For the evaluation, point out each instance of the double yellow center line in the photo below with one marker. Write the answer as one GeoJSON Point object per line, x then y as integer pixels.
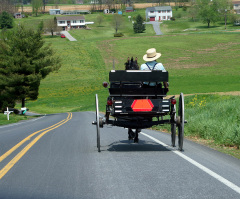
{"type": "Point", "coordinates": [24, 151]}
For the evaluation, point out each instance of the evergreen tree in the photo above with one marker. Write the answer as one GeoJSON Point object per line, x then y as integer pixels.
{"type": "Point", "coordinates": [24, 61]}
{"type": "Point", "coordinates": [6, 97]}
{"type": "Point", "coordinates": [138, 26]}
{"type": "Point", "coordinates": [6, 20]}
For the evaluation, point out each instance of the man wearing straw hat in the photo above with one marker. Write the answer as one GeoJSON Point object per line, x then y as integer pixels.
{"type": "Point", "coordinates": [151, 64]}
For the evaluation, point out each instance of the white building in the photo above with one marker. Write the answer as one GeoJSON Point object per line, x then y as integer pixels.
{"type": "Point", "coordinates": [159, 13]}
{"type": "Point", "coordinates": [54, 11]}
{"type": "Point", "coordinates": [236, 6]}
{"type": "Point", "coordinates": [72, 22]}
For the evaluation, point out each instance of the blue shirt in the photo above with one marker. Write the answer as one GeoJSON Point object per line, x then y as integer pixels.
{"type": "Point", "coordinates": [152, 65]}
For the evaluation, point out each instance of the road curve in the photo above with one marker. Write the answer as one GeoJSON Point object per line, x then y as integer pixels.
{"type": "Point", "coordinates": [64, 163]}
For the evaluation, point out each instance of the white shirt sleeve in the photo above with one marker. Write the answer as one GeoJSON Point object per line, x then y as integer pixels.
{"type": "Point", "coordinates": [144, 67]}
{"type": "Point", "coordinates": [160, 66]}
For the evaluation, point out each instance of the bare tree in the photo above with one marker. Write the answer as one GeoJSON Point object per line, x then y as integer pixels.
{"type": "Point", "coordinates": [44, 5]}
{"type": "Point", "coordinates": [117, 22]}
{"type": "Point", "coordinates": [100, 4]}
{"type": "Point", "coordinates": [50, 25]}
{"type": "Point", "coordinates": [99, 19]}
{"type": "Point", "coordinates": [109, 4]}
{"type": "Point", "coordinates": [36, 6]}
{"type": "Point", "coordinates": [6, 5]}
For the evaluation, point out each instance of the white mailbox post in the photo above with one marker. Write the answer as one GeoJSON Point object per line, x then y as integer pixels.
{"type": "Point", "coordinates": [7, 113]}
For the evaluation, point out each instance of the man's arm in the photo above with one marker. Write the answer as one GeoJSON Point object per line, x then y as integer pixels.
{"type": "Point", "coordinates": [166, 85]}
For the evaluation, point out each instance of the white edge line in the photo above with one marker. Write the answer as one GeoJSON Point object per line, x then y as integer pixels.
{"type": "Point", "coordinates": [203, 168]}
{"type": "Point", "coordinates": [21, 122]}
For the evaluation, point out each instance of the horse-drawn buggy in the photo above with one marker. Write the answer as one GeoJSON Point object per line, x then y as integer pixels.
{"type": "Point", "coordinates": [135, 105]}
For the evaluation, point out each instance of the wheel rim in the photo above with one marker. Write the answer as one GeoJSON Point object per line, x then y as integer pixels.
{"type": "Point", "coordinates": [181, 125]}
{"type": "Point", "coordinates": [173, 127]}
{"type": "Point", "coordinates": [98, 127]}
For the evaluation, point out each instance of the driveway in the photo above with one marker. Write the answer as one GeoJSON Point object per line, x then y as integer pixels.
{"type": "Point", "coordinates": [156, 27]}
{"type": "Point", "coordinates": [66, 33]}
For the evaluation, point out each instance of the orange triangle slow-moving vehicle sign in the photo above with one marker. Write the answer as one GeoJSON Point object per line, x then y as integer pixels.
{"type": "Point", "coordinates": [142, 105]}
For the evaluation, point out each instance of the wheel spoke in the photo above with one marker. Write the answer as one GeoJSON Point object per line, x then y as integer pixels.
{"type": "Point", "coordinates": [98, 127]}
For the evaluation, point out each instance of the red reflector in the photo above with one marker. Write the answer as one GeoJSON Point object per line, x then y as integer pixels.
{"type": "Point", "coordinates": [142, 105]}
{"type": "Point", "coordinates": [173, 101]}
{"type": "Point", "coordinates": [109, 102]}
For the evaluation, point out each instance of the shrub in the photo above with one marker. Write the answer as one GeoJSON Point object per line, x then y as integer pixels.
{"type": "Point", "coordinates": [118, 35]}
{"type": "Point", "coordinates": [6, 20]}
{"type": "Point", "coordinates": [179, 15]}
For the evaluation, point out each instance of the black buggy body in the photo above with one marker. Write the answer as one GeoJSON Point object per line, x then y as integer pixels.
{"type": "Point", "coordinates": [135, 103]}
{"type": "Point", "coordinates": [137, 100]}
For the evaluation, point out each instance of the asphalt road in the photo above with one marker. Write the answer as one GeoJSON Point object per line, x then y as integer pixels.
{"type": "Point", "coordinates": [156, 27]}
{"type": "Point", "coordinates": [55, 156]}
{"type": "Point", "coordinates": [68, 36]}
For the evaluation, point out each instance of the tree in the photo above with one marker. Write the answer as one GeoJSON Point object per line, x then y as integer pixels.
{"type": "Point", "coordinates": [109, 4]}
{"type": "Point", "coordinates": [6, 5]}
{"type": "Point", "coordinates": [7, 98]}
{"type": "Point", "coordinates": [44, 5]}
{"type": "Point", "coordinates": [210, 11]}
{"type": "Point", "coordinates": [40, 26]}
{"type": "Point", "coordinates": [51, 26]}
{"type": "Point", "coordinates": [99, 19]}
{"type": "Point", "coordinates": [24, 61]}
{"type": "Point", "coordinates": [117, 22]}
{"type": "Point", "coordinates": [36, 6]}
{"type": "Point", "coordinates": [138, 26]}
{"type": "Point", "coordinates": [192, 10]}
{"type": "Point", "coordinates": [6, 20]}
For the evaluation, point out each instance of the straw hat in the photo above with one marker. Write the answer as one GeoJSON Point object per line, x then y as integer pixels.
{"type": "Point", "coordinates": [151, 55]}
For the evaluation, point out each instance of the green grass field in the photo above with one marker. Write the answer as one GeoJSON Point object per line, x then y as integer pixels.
{"type": "Point", "coordinates": [196, 64]}
{"type": "Point", "coordinates": [199, 60]}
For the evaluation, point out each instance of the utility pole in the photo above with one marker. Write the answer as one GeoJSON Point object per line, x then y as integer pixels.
{"type": "Point", "coordinates": [225, 19]}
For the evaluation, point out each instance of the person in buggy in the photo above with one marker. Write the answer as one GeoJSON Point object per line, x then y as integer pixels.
{"type": "Point", "coordinates": [151, 64]}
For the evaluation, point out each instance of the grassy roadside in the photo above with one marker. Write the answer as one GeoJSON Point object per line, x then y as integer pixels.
{"type": "Point", "coordinates": [13, 118]}
{"type": "Point", "coordinates": [213, 120]}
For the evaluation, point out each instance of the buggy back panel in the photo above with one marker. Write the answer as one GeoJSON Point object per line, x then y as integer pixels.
{"type": "Point", "coordinates": [129, 82]}
{"type": "Point", "coordinates": [138, 75]}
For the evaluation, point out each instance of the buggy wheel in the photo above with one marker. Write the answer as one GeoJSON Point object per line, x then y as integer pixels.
{"type": "Point", "coordinates": [181, 122]}
{"type": "Point", "coordinates": [97, 124]}
{"type": "Point", "coordinates": [173, 126]}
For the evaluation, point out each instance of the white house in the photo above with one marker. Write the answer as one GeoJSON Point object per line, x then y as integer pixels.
{"type": "Point", "coordinates": [72, 22]}
{"type": "Point", "coordinates": [54, 11]}
{"type": "Point", "coordinates": [236, 6]}
{"type": "Point", "coordinates": [159, 13]}
{"type": "Point", "coordinates": [75, 12]}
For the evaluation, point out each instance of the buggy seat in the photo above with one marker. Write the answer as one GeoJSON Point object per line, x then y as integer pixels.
{"type": "Point", "coordinates": [130, 83]}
